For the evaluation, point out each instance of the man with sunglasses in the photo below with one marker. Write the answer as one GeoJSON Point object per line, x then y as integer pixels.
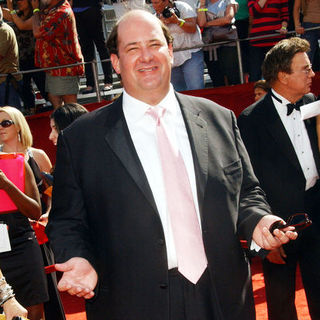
{"type": "Point", "coordinates": [9, 63]}
{"type": "Point", "coordinates": [284, 153]}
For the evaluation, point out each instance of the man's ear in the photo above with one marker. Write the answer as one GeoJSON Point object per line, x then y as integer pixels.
{"type": "Point", "coordinates": [115, 63]}
{"type": "Point", "coordinates": [283, 77]}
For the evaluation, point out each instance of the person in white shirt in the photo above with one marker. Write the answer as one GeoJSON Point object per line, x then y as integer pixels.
{"type": "Point", "coordinates": [188, 65]}
{"type": "Point", "coordinates": [115, 227]}
{"type": "Point", "coordinates": [284, 153]}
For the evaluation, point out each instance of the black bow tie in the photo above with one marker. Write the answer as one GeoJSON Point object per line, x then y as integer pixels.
{"type": "Point", "coordinates": [292, 106]}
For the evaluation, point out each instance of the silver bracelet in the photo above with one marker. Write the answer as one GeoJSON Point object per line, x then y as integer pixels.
{"type": "Point", "coordinates": [6, 291]}
{"type": "Point", "coordinates": [2, 281]}
{"type": "Point", "coordinates": [5, 299]}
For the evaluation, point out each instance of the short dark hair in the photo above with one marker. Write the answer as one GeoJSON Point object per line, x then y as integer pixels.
{"type": "Point", "coordinates": [279, 58]}
{"type": "Point", "coordinates": [66, 114]}
{"type": "Point", "coordinates": [262, 84]}
{"type": "Point", "coordinates": [112, 43]}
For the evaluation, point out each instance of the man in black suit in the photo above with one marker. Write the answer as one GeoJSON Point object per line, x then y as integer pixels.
{"type": "Point", "coordinates": [284, 153]}
{"type": "Point", "coordinates": [112, 225]}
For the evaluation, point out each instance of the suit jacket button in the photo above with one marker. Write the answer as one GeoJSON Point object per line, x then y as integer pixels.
{"type": "Point", "coordinates": [163, 286]}
{"type": "Point", "coordinates": [161, 242]}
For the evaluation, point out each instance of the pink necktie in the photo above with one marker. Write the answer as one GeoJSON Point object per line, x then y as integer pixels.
{"type": "Point", "coordinates": [187, 235]}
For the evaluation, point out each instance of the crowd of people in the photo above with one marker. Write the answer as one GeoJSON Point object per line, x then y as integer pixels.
{"type": "Point", "coordinates": [49, 34]}
{"type": "Point", "coordinates": [145, 216]}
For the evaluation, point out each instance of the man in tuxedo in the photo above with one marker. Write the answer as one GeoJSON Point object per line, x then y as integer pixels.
{"type": "Point", "coordinates": [284, 154]}
{"type": "Point", "coordinates": [124, 172]}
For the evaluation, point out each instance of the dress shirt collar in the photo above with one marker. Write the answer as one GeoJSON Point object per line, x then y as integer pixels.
{"type": "Point", "coordinates": [135, 109]}
{"type": "Point", "coordinates": [280, 103]}
{"type": "Point", "coordinates": [283, 100]}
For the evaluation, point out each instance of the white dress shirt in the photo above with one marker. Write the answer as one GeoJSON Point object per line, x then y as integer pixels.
{"type": "Point", "coordinates": [298, 134]}
{"type": "Point", "coordinates": [142, 128]}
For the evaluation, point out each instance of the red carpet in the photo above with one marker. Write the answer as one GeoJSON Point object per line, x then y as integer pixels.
{"type": "Point", "coordinates": [74, 307]}
{"type": "Point", "coordinates": [259, 294]}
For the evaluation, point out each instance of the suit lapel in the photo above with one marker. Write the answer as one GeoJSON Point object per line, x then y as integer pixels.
{"type": "Point", "coordinates": [118, 138]}
{"type": "Point", "coordinates": [273, 123]}
{"type": "Point", "coordinates": [197, 132]}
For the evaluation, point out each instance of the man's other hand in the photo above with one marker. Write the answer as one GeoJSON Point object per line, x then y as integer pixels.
{"type": "Point", "coordinates": [268, 241]}
{"type": "Point", "coordinates": [79, 277]}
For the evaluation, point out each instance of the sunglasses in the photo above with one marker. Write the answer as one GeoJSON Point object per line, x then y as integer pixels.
{"type": "Point", "coordinates": [6, 123]}
{"type": "Point", "coordinates": [299, 221]}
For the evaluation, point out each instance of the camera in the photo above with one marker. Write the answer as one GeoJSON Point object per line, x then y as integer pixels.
{"type": "Point", "coordinates": [168, 11]}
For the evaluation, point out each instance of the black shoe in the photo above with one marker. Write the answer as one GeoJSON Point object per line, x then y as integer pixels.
{"type": "Point", "coordinates": [88, 90]}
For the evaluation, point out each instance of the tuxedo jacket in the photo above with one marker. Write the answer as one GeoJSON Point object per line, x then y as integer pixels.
{"type": "Point", "coordinates": [273, 157]}
{"type": "Point", "coordinates": [104, 211]}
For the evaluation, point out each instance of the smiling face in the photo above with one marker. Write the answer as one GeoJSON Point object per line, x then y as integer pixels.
{"type": "Point", "coordinates": [144, 58]}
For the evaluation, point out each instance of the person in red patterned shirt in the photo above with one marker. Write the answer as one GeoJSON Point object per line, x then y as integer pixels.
{"type": "Point", "coordinates": [57, 44]}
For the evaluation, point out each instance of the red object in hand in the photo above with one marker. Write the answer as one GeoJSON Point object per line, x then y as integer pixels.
{"type": "Point", "coordinates": [39, 229]}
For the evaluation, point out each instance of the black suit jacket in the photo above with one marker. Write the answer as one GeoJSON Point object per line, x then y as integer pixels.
{"type": "Point", "coordinates": [104, 210]}
{"type": "Point", "coordinates": [273, 156]}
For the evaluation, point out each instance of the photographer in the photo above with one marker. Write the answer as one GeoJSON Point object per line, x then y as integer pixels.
{"type": "Point", "coordinates": [180, 18]}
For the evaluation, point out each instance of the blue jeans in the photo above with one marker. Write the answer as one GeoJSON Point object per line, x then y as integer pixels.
{"type": "Point", "coordinates": [312, 36]}
{"type": "Point", "coordinates": [189, 76]}
{"type": "Point", "coordinates": [13, 96]}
